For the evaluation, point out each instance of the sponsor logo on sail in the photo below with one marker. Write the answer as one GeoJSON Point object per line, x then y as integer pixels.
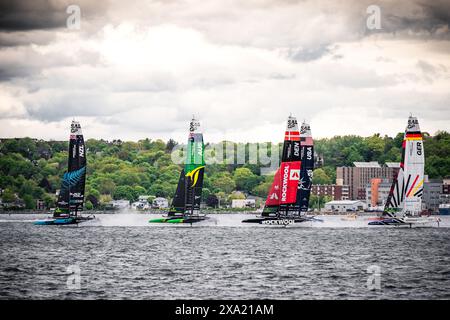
{"type": "Point", "coordinates": [284, 222]}
{"type": "Point", "coordinates": [309, 153]}
{"type": "Point", "coordinates": [292, 123]}
{"type": "Point", "coordinates": [412, 123]}
{"type": "Point", "coordinates": [294, 174]}
{"type": "Point", "coordinates": [296, 148]}
{"type": "Point", "coordinates": [81, 150]}
{"type": "Point", "coordinates": [419, 148]}
{"type": "Point", "coordinates": [304, 128]}
{"type": "Point", "coordinates": [285, 183]}
{"type": "Point", "coordinates": [194, 175]}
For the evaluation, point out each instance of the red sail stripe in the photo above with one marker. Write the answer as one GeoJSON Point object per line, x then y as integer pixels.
{"type": "Point", "coordinates": [414, 135]}
{"type": "Point", "coordinates": [292, 136]}
{"type": "Point", "coordinates": [415, 180]}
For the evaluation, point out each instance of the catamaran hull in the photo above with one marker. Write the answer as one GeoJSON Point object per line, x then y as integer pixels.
{"type": "Point", "coordinates": [281, 221]}
{"type": "Point", "coordinates": [405, 221]}
{"type": "Point", "coordinates": [176, 220]}
{"type": "Point", "coordinates": [62, 221]}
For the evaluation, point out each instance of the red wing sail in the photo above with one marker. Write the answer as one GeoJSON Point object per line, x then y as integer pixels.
{"type": "Point", "coordinates": [289, 176]}
{"type": "Point", "coordinates": [283, 193]}
{"type": "Point", "coordinates": [273, 198]}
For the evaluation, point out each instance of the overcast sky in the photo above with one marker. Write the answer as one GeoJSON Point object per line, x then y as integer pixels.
{"type": "Point", "coordinates": [139, 69]}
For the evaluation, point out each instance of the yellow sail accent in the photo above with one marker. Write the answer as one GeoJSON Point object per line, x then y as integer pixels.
{"type": "Point", "coordinates": [194, 175]}
{"type": "Point", "coordinates": [415, 189]}
{"type": "Point", "coordinates": [413, 138]}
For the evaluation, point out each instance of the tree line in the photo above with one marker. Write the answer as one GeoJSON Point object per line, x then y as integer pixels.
{"type": "Point", "coordinates": [31, 169]}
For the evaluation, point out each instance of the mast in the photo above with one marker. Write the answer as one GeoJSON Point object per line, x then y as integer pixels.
{"type": "Point", "coordinates": [307, 167]}
{"type": "Point", "coordinates": [71, 195]}
{"type": "Point", "coordinates": [189, 190]}
{"type": "Point", "coordinates": [414, 168]}
{"type": "Point", "coordinates": [282, 196]}
{"type": "Point", "coordinates": [405, 195]}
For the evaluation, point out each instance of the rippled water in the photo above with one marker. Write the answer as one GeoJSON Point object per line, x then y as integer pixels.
{"type": "Point", "coordinates": [123, 257]}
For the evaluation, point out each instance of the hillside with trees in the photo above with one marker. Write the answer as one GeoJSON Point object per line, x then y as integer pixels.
{"type": "Point", "coordinates": [32, 169]}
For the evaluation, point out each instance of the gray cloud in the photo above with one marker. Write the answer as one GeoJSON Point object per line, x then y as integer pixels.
{"type": "Point", "coordinates": [20, 15]}
{"type": "Point", "coordinates": [417, 18]}
{"type": "Point", "coordinates": [23, 15]}
{"type": "Point", "coordinates": [309, 54]}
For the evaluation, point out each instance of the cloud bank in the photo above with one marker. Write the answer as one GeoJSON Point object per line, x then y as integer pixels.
{"type": "Point", "coordinates": [143, 68]}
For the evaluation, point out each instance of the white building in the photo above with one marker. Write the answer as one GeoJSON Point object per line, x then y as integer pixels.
{"type": "Point", "coordinates": [345, 205]}
{"type": "Point", "coordinates": [243, 203]}
{"type": "Point", "coordinates": [120, 204]}
{"type": "Point", "coordinates": [160, 203]}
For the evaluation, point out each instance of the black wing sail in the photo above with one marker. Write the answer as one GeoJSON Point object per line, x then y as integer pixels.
{"type": "Point", "coordinates": [307, 167]}
{"type": "Point", "coordinates": [179, 200]}
{"type": "Point", "coordinates": [71, 195]}
{"type": "Point", "coordinates": [189, 190]}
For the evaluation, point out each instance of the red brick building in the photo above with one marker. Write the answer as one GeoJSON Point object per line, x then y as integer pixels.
{"type": "Point", "coordinates": [332, 190]}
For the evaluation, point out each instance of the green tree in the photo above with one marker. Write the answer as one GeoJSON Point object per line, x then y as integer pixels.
{"type": "Point", "coordinates": [262, 189]}
{"type": "Point", "coordinates": [318, 202]}
{"type": "Point", "coordinates": [124, 192]}
{"type": "Point", "coordinates": [320, 177]}
{"type": "Point", "coordinates": [245, 179]}
{"type": "Point", "coordinates": [89, 205]}
{"type": "Point", "coordinates": [8, 196]}
{"type": "Point", "coordinates": [30, 202]}
{"type": "Point", "coordinates": [224, 183]}
{"type": "Point", "coordinates": [106, 185]}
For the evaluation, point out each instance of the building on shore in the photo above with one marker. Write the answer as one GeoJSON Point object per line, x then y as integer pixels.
{"type": "Point", "coordinates": [243, 203]}
{"type": "Point", "coordinates": [358, 176]}
{"type": "Point", "coordinates": [432, 191]}
{"type": "Point", "coordinates": [345, 206]}
{"type": "Point", "coordinates": [160, 203]}
{"type": "Point", "coordinates": [445, 193]}
{"type": "Point", "coordinates": [336, 192]}
{"type": "Point", "coordinates": [119, 204]}
{"type": "Point", "coordinates": [377, 192]}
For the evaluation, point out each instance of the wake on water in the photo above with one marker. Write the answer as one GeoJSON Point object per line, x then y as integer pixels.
{"type": "Point", "coordinates": [231, 220]}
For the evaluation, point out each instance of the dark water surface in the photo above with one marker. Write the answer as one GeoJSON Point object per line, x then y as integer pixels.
{"type": "Point", "coordinates": [221, 262]}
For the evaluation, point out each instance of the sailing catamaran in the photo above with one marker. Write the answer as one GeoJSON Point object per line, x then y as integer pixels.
{"type": "Point", "coordinates": [404, 202]}
{"type": "Point", "coordinates": [71, 195]}
{"type": "Point", "coordinates": [288, 198]}
{"type": "Point", "coordinates": [186, 202]}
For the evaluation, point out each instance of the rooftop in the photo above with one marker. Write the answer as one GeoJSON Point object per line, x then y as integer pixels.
{"type": "Point", "coordinates": [343, 202]}
{"type": "Point", "coordinates": [393, 164]}
{"type": "Point", "coordinates": [371, 164]}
